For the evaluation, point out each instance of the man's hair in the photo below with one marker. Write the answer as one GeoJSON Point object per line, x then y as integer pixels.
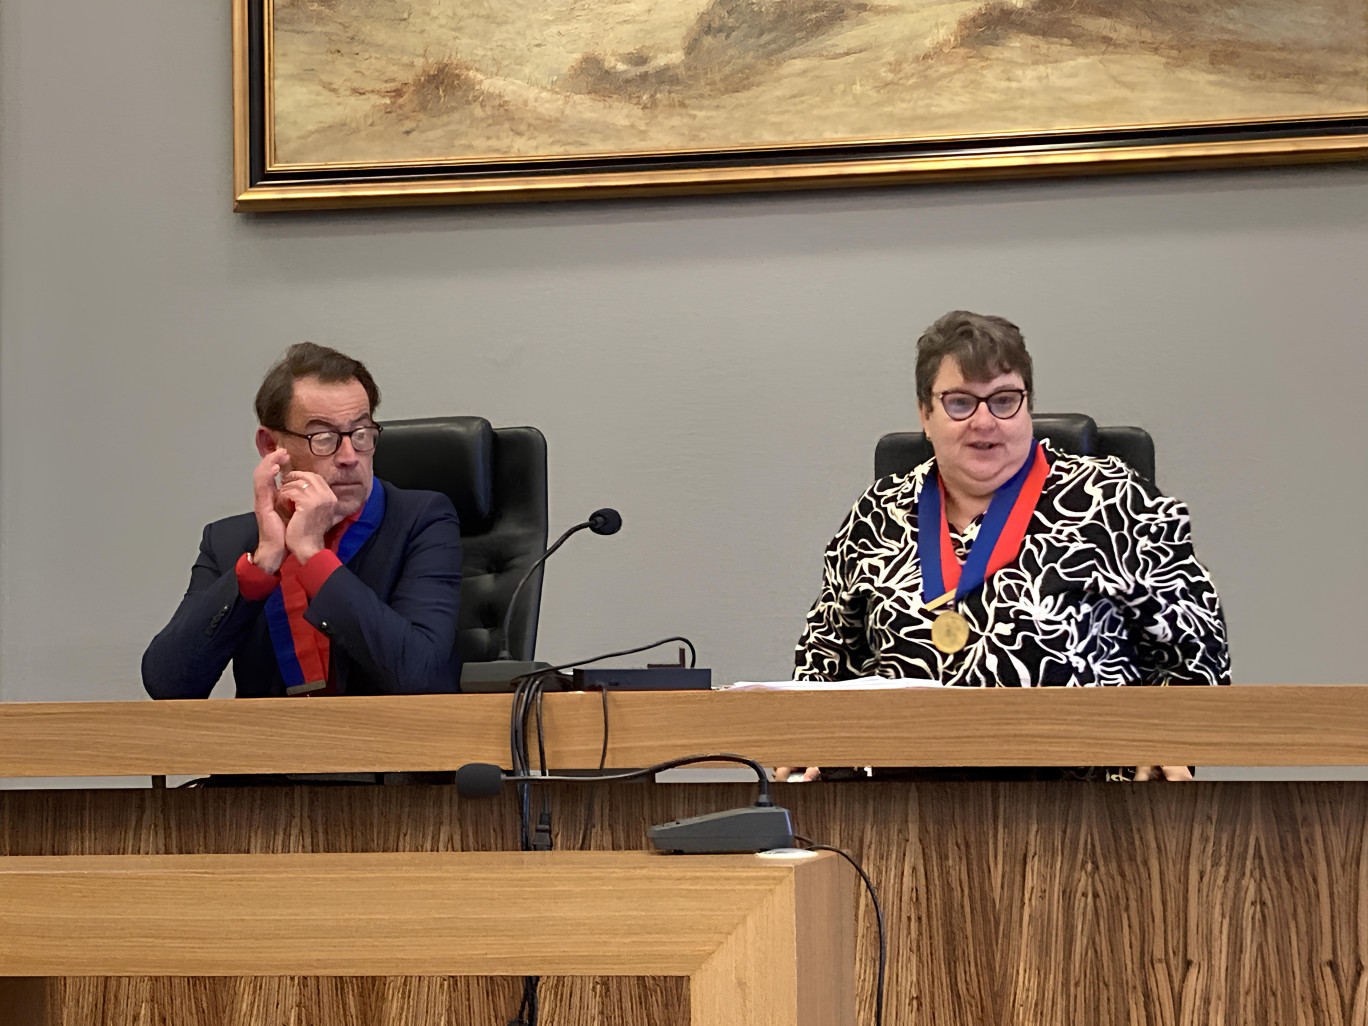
{"type": "Point", "coordinates": [307, 360]}
{"type": "Point", "coordinates": [984, 346]}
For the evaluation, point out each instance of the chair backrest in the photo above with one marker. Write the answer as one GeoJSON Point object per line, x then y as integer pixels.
{"type": "Point", "coordinates": [1074, 433]}
{"type": "Point", "coordinates": [496, 478]}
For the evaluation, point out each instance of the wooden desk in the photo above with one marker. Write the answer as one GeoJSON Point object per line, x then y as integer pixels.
{"type": "Point", "coordinates": [1272, 725]}
{"type": "Point", "coordinates": [1022, 904]}
{"type": "Point", "coordinates": [764, 941]}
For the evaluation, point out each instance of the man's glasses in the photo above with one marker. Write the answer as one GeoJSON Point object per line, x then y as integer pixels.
{"type": "Point", "coordinates": [325, 443]}
{"type": "Point", "coordinates": [1002, 404]}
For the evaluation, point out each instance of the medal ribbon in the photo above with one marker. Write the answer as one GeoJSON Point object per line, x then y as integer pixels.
{"type": "Point", "coordinates": [999, 537]}
{"type": "Point", "coordinates": [302, 650]}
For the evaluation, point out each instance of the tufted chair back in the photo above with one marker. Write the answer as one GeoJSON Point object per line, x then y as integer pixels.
{"type": "Point", "coordinates": [496, 477]}
{"type": "Point", "coordinates": [1074, 433]}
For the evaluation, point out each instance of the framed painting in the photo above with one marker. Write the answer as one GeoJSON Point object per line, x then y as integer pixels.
{"type": "Point", "coordinates": [374, 102]}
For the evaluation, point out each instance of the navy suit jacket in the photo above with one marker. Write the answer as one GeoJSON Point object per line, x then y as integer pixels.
{"type": "Point", "coordinates": [390, 611]}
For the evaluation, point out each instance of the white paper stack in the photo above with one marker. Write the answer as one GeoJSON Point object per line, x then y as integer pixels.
{"type": "Point", "coordinates": [862, 684]}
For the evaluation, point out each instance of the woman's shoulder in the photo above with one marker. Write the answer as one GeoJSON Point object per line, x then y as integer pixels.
{"type": "Point", "coordinates": [1107, 473]}
{"type": "Point", "coordinates": [1106, 486]}
{"type": "Point", "coordinates": [886, 509]}
{"type": "Point", "coordinates": [897, 489]}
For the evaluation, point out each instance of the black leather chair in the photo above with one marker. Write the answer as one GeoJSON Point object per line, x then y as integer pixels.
{"type": "Point", "coordinates": [496, 477]}
{"type": "Point", "coordinates": [1074, 433]}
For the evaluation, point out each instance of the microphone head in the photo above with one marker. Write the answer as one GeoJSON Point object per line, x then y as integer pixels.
{"type": "Point", "coordinates": [605, 521]}
{"type": "Point", "coordinates": [479, 780]}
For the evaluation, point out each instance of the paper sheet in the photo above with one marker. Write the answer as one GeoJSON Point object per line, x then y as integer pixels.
{"type": "Point", "coordinates": [862, 684]}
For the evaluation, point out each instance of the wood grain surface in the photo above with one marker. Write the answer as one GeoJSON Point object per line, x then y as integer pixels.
{"type": "Point", "coordinates": [1270, 725]}
{"type": "Point", "coordinates": [478, 913]}
{"type": "Point", "coordinates": [1011, 904]}
{"type": "Point", "coordinates": [746, 929]}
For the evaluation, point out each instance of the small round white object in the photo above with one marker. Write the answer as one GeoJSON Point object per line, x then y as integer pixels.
{"type": "Point", "coordinates": [786, 853]}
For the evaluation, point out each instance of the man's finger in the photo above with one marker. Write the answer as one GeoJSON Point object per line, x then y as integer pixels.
{"type": "Point", "coordinates": [304, 489]}
{"type": "Point", "coordinates": [304, 477]}
{"type": "Point", "coordinates": [274, 462]}
{"type": "Point", "coordinates": [264, 477]}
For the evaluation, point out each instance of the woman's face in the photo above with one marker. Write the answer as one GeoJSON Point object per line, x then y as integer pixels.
{"type": "Point", "coordinates": [976, 456]}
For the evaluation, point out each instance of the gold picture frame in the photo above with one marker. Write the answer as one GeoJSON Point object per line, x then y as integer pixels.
{"type": "Point", "coordinates": [350, 103]}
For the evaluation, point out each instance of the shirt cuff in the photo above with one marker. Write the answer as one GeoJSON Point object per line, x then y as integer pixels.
{"type": "Point", "coordinates": [317, 570]}
{"type": "Point", "coordinates": [254, 583]}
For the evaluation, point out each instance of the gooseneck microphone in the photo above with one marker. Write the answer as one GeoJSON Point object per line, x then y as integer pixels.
{"type": "Point", "coordinates": [500, 674]}
{"type": "Point", "coordinates": [601, 521]}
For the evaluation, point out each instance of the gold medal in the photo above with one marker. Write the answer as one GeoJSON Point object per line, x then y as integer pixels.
{"type": "Point", "coordinates": [949, 632]}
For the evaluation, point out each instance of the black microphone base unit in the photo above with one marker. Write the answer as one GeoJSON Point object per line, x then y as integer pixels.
{"type": "Point", "coordinates": [650, 678]}
{"type": "Point", "coordinates": [734, 832]}
{"type": "Point", "coordinates": [498, 676]}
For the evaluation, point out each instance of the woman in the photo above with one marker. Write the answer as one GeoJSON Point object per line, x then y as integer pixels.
{"type": "Point", "coordinates": [1002, 562]}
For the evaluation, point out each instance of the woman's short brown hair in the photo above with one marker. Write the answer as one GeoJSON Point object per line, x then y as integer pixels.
{"type": "Point", "coordinates": [983, 345]}
{"type": "Point", "coordinates": [307, 360]}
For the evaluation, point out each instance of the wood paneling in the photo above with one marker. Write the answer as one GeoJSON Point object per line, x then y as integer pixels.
{"type": "Point", "coordinates": [1011, 904]}
{"type": "Point", "coordinates": [1265, 725]}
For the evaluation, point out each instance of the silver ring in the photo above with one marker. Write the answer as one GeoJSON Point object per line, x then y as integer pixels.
{"type": "Point", "coordinates": [304, 484]}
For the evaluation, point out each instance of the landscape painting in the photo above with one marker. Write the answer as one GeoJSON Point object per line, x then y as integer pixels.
{"type": "Point", "coordinates": [517, 84]}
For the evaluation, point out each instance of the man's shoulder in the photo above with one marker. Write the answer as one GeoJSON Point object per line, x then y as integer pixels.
{"type": "Point", "coordinates": [232, 531]}
{"type": "Point", "coordinates": [416, 505]}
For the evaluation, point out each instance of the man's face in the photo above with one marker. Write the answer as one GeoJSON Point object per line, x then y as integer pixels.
{"type": "Point", "coordinates": [980, 454]}
{"type": "Point", "coordinates": [336, 406]}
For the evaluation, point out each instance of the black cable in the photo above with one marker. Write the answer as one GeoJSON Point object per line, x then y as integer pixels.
{"type": "Point", "coordinates": [513, 729]}
{"type": "Point", "coordinates": [646, 771]}
{"type": "Point", "coordinates": [515, 724]}
{"type": "Point", "coordinates": [693, 657]}
{"type": "Point", "coordinates": [603, 753]}
{"type": "Point", "coordinates": [527, 700]}
{"type": "Point", "coordinates": [693, 653]}
{"type": "Point", "coordinates": [524, 793]}
{"type": "Point", "coordinates": [525, 696]}
{"type": "Point", "coordinates": [525, 816]}
{"type": "Point", "coordinates": [529, 1009]}
{"type": "Point", "coordinates": [541, 731]}
{"type": "Point", "coordinates": [878, 918]}
{"type": "Point", "coordinates": [541, 836]}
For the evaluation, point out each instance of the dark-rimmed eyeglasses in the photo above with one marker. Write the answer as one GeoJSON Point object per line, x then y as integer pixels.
{"type": "Point", "coordinates": [325, 443]}
{"type": "Point", "coordinates": [1002, 404]}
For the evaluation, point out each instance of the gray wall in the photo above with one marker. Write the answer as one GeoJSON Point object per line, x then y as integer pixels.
{"type": "Point", "coordinates": [718, 369]}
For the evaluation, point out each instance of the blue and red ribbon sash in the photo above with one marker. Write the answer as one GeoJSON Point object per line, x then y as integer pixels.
{"type": "Point", "coordinates": [999, 537]}
{"type": "Point", "coordinates": [302, 651]}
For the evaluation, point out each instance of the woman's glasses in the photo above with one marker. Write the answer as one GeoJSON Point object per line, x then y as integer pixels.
{"type": "Point", "coordinates": [1002, 404]}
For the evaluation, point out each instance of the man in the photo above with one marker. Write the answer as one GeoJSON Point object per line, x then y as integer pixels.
{"type": "Point", "coordinates": [336, 583]}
